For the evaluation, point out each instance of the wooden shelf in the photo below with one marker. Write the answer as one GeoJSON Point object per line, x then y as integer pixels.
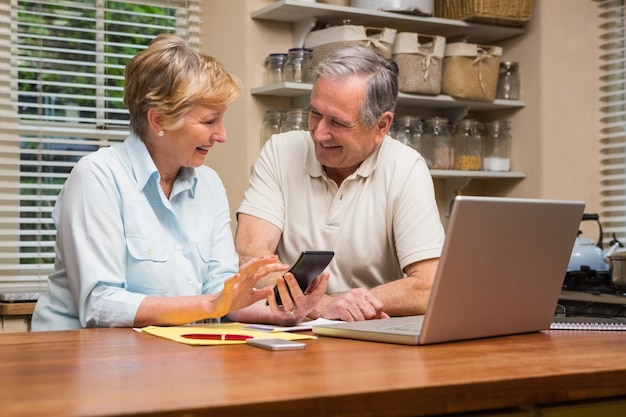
{"type": "Point", "coordinates": [454, 181]}
{"type": "Point", "coordinates": [283, 89]}
{"type": "Point", "coordinates": [444, 173]}
{"type": "Point", "coordinates": [290, 89]}
{"type": "Point", "coordinates": [294, 11]}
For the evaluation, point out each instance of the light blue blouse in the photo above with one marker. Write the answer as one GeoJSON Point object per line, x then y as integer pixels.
{"type": "Point", "coordinates": [120, 239]}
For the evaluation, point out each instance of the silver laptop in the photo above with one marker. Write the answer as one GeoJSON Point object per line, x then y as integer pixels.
{"type": "Point", "coordinates": [500, 273]}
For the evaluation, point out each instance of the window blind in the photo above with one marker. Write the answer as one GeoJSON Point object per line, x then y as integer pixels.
{"type": "Point", "coordinates": [61, 90]}
{"type": "Point", "coordinates": [613, 119]}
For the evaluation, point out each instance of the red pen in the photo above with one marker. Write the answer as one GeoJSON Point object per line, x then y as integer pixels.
{"type": "Point", "coordinates": [205, 336]}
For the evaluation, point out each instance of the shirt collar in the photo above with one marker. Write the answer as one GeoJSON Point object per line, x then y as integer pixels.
{"type": "Point", "coordinates": [145, 170]}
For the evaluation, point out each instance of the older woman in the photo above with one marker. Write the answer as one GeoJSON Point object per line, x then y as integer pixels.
{"type": "Point", "coordinates": [143, 227]}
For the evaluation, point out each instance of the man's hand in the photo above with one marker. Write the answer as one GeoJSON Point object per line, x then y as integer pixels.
{"type": "Point", "coordinates": [354, 305]}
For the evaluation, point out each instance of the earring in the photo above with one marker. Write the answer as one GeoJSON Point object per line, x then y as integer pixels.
{"type": "Point", "coordinates": [161, 133]}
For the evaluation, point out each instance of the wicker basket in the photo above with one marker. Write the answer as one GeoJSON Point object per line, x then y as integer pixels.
{"type": "Point", "coordinates": [419, 58]}
{"type": "Point", "coordinates": [326, 41]}
{"type": "Point", "coordinates": [470, 71]}
{"type": "Point", "coordinates": [497, 12]}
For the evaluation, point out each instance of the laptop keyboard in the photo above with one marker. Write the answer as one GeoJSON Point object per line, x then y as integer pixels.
{"type": "Point", "coordinates": [414, 326]}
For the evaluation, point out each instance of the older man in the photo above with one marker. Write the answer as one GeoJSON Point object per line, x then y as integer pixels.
{"type": "Point", "coordinates": [348, 187]}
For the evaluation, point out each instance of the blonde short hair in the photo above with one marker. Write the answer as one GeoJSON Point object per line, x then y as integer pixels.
{"type": "Point", "coordinates": [172, 77]}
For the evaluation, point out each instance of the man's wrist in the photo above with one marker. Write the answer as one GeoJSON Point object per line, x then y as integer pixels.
{"type": "Point", "coordinates": [317, 311]}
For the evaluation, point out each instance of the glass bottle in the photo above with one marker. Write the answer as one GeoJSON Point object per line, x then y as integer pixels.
{"type": "Point", "coordinates": [497, 146]}
{"type": "Point", "coordinates": [296, 119]}
{"type": "Point", "coordinates": [436, 147]}
{"type": "Point", "coordinates": [274, 68]}
{"type": "Point", "coordinates": [418, 135]}
{"type": "Point", "coordinates": [298, 67]}
{"type": "Point", "coordinates": [409, 131]}
{"type": "Point", "coordinates": [466, 146]}
{"type": "Point", "coordinates": [271, 124]}
{"type": "Point", "coordinates": [508, 81]}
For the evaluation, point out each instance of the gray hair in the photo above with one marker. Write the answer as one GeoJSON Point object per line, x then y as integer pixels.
{"type": "Point", "coordinates": [382, 86]}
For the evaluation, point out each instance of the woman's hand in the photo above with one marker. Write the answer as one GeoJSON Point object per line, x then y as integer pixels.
{"type": "Point", "coordinates": [239, 291]}
{"type": "Point", "coordinates": [296, 304]}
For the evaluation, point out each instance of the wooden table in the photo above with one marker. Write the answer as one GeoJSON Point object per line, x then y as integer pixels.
{"type": "Point", "coordinates": [102, 372]}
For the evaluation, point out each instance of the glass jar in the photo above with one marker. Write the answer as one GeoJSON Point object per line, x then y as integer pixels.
{"type": "Point", "coordinates": [508, 81]}
{"type": "Point", "coordinates": [274, 68]}
{"type": "Point", "coordinates": [436, 146]}
{"type": "Point", "coordinates": [296, 119]}
{"type": "Point", "coordinates": [467, 146]}
{"type": "Point", "coordinates": [409, 131]}
{"type": "Point", "coordinates": [298, 67]}
{"type": "Point", "coordinates": [271, 124]}
{"type": "Point", "coordinates": [497, 146]}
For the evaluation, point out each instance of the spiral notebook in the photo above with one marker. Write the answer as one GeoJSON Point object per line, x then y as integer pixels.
{"type": "Point", "coordinates": [589, 323]}
{"type": "Point", "coordinates": [500, 273]}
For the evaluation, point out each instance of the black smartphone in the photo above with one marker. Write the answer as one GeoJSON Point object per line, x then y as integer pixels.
{"type": "Point", "coordinates": [309, 265]}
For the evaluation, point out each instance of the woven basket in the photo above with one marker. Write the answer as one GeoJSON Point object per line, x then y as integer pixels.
{"type": "Point", "coordinates": [497, 12]}
{"type": "Point", "coordinates": [419, 58]}
{"type": "Point", "coordinates": [470, 71]}
{"type": "Point", "coordinates": [326, 41]}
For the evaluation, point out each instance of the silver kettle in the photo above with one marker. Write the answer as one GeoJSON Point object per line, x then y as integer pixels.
{"type": "Point", "coordinates": [587, 255]}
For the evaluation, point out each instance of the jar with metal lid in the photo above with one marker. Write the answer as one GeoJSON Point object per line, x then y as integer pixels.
{"type": "Point", "coordinates": [436, 146]}
{"type": "Point", "coordinates": [298, 67]}
{"type": "Point", "coordinates": [274, 68]}
{"type": "Point", "coordinates": [467, 146]}
{"type": "Point", "coordinates": [271, 124]}
{"type": "Point", "coordinates": [508, 81]}
{"type": "Point", "coordinates": [409, 131]}
{"type": "Point", "coordinates": [497, 146]}
{"type": "Point", "coordinates": [296, 119]}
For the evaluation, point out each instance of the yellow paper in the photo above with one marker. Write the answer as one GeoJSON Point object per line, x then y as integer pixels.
{"type": "Point", "coordinates": [175, 333]}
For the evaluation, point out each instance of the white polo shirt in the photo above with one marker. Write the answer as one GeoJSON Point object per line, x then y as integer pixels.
{"type": "Point", "coordinates": [382, 218]}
